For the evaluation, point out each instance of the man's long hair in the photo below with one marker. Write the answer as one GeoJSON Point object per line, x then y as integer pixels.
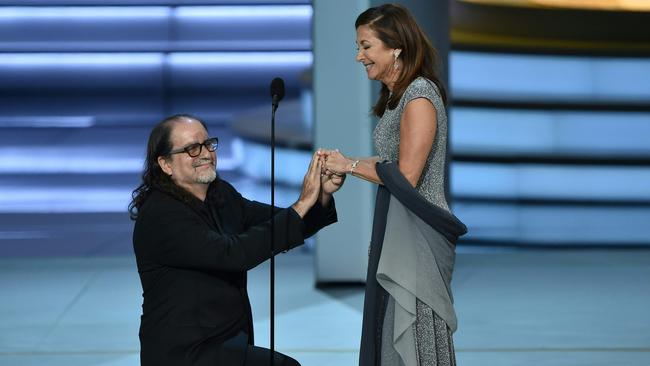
{"type": "Point", "coordinates": [153, 177]}
{"type": "Point", "coordinates": [396, 28]}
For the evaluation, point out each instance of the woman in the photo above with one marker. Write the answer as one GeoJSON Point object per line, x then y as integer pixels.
{"type": "Point", "coordinates": [408, 313]}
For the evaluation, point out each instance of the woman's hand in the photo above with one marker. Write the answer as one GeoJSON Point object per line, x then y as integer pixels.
{"type": "Point", "coordinates": [335, 162]}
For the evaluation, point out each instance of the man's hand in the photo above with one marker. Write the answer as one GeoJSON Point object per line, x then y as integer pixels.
{"type": "Point", "coordinates": [331, 182]}
{"type": "Point", "coordinates": [311, 187]}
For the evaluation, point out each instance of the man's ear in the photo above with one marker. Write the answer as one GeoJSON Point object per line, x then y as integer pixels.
{"type": "Point", "coordinates": [165, 166]}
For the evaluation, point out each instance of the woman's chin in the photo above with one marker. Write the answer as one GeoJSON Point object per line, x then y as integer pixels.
{"type": "Point", "coordinates": [371, 76]}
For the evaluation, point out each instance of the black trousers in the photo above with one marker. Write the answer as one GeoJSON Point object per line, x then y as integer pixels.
{"type": "Point", "coordinates": [259, 356]}
{"type": "Point", "coordinates": [233, 352]}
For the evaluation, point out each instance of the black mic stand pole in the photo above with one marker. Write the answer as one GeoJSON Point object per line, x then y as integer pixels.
{"type": "Point", "coordinates": [272, 270]}
{"type": "Point", "coordinates": [277, 93]}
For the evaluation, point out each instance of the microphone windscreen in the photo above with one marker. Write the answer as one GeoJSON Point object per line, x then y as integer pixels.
{"type": "Point", "coordinates": [277, 89]}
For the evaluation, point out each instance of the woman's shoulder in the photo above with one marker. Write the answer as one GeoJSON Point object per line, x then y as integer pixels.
{"type": "Point", "coordinates": [420, 81]}
{"type": "Point", "coordinates": [422, 85]}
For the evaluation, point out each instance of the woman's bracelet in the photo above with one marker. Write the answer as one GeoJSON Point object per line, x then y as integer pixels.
{"type": "Point", "coordinates": [354, 166]}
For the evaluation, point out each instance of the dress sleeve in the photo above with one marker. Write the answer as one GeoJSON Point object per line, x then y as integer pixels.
{"type": "Point", "coordinates": [423, 88]}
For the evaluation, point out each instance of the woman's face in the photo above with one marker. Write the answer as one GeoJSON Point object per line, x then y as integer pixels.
{"type": "Point", "coordinates": [378, 59]}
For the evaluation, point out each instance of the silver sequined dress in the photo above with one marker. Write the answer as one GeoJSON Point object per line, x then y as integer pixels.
{"type": "Point", "coordinates": [434, 345]}
{"type": "Point", "coordinates": [386, 140]}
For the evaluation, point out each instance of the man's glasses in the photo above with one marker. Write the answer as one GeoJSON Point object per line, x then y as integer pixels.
{"type": "Point", "coordinates": [194, 150]}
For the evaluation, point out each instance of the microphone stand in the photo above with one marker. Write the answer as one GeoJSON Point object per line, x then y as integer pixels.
{"type": "Point", "coordinates": [277, 93]}
{"type": "Point", "coordinates": [272, 268]}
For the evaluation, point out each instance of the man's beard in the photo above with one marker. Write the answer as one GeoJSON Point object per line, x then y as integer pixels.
{"type": "Point", "coordinates": [206, 177]}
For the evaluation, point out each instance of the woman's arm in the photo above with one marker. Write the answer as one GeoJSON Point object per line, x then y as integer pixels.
{"type": "Point", "coordinates": [417, 132]}
{"type": "Point", "coordinates": [363, 168]}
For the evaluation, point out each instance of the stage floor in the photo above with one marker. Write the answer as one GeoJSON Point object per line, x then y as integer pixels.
{"type": "Point", "coordinates": [515, 307]}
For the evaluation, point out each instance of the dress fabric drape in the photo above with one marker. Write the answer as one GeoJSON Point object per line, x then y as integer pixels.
{"type": "Point", "coordinates": [408, 309]}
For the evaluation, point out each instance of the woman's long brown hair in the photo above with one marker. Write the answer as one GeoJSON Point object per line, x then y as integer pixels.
{"type": "Point", "coordinates": [396, 27]}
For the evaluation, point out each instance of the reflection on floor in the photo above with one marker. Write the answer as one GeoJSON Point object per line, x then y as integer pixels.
{"type": "Point", "coordinates": [525, 307]}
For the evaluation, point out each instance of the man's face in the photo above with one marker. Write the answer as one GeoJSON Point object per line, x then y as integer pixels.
{"type": "Point", "coordinates": [189, 172]}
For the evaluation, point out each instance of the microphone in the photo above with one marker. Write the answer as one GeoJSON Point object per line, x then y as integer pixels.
{"type": "Point", "coordinates": [277, 91]}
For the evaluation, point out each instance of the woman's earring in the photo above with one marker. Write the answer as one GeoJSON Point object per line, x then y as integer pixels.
{"type": "Point", "coordinates": [395, 64]}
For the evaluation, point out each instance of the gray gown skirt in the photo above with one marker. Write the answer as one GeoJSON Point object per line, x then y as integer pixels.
{"type": "Point", "coordinates": [434, 343]}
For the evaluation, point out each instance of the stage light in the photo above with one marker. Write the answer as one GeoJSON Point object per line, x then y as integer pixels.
{"type": "Point", "coordinates": [616, 5]}
{"type": "Point", "coordinates": [242, 58]}
{"type": "Point", "coordinates": [18, 13]}
{"type": "Point", "coordinates": [276, 11]}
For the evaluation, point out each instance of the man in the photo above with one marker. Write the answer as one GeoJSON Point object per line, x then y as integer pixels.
{"type": "Point", "coordinates": [194, 239]}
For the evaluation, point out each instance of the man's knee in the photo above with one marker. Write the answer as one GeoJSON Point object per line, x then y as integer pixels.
{"type": "Point", "coordinates": [288, 361]}
{"type": "Point", "coordinates": [258, 356]}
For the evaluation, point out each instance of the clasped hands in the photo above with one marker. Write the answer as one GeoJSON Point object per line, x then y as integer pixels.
{"type": "Point", "coordinates": [334, 163]}
{"type": "Point", "coordinates": [333, 169]}
{"type": "Point", "coordinates": [325, 175]}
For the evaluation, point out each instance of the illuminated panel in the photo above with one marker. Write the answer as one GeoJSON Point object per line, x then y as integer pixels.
{"type": "Point", "coordinates": [509, 181]}
{"type": "Point", "coordinates": [77, 59]}
{"type": "Point", "coordinates": [67, 13]}
{"type": "Point", "coordinates": [500, 131]}
{"type": "Point", "coordinates": [54, 29]}
{"type": "Point", "coordinates": [48, 121]}
{"type": "Point", "coordinates": [277, 28]}
{"type": "Point", "coordinates": [248, 12]}
{"type": "Point", "coordinates": [508, 77]}
{"type": "Point", "coordinates": [155, 28]}
{"type": "Point", "coordinates": [82, 71]}
{"type": "Point", "coordinates": [241, 59]}
{"type": "Point", "coordinates": [88, 159]}
{"type": "Point", "coordinates": [628, 5]}
{"type": "Point", "coordinates": [231, 70]}
{"type": "Point", "coordinates": [144, 2]}
{"type": "Point", "coordinates": [553, 225]}
{"type": "Point", "coordinates": [236, 70]}
{"type": "Point", "coordinates": [62, 199]}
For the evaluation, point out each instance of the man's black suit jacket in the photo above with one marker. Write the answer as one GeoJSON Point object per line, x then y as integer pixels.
{"type": "Point", "coordinates": [192, 263]}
